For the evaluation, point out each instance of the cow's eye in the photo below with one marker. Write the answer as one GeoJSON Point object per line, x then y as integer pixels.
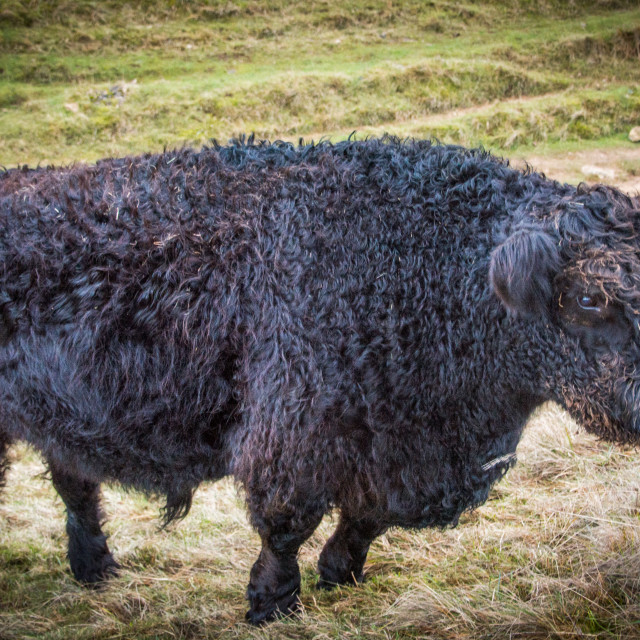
{"type": "Point", "coordinates": [588, 303]}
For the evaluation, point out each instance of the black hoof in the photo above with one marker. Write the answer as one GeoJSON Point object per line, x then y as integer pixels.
{"type": "Point", "coordinates": [330, 580]}
{"type": "Point", "coordinates": [268, 607]}
{"type": "Point", "coordinates": [95, 572]}
{"type": "Point", "coordinates": [337, 570]}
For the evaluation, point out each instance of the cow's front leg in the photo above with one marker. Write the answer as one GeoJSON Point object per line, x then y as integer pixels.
{"type": "Point", "coordinates": [281, 463]}
{"type": "Point", "coordinates": [89, 556]}
{"type": "Point", "coordinates": [343, 557]}
{"type": "Point", "coordinates": [274, 582]}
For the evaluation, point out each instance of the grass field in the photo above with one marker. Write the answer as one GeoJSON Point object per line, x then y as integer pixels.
{"type": "Point", "coordinates": [555, 553]}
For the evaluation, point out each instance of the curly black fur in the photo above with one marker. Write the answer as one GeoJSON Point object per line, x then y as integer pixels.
{"type": "Point", "coordinates": [365, 326]}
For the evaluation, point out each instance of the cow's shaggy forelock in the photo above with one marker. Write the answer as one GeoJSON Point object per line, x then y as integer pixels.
{"type": "Point", "coordinates": [365, 326]}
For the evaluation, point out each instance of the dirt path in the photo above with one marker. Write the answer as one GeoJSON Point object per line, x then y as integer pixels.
{"type": "Point", "coordinates": [618, 166]}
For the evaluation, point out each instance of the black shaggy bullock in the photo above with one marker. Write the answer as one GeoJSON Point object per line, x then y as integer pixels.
{"type": "Point", "coordinates": [363, 326]}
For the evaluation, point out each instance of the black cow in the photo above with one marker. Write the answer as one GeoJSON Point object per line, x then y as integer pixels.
{"type": "Point", "coordinates": [363, 326]}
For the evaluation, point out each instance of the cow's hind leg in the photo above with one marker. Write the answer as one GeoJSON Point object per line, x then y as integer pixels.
{"type": "Point", "coordinates": [343, 557]}
{"type": "Point", "coordinates": [89, 556]}
{"type": "Point", "coordinates": [4, 460]}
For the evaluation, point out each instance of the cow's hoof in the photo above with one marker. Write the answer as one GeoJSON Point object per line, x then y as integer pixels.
{"type": "Point", "coordinates": [95, 571]}
{"type": "Point", "coordinates": [337, 570]}
{"type": "Point", "coordinates": [265, 608]}
{"type": "Point", "coordinates": [329, 580]}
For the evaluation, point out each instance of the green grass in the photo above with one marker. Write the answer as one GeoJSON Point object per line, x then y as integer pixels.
{"type": "Point", "coordinates": [192, 72]}
{"type": "Point", "coordinates": [555, 552]}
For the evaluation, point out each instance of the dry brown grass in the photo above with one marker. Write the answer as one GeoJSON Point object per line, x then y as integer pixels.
{"type": "Point", "coordinates": [555, 553]}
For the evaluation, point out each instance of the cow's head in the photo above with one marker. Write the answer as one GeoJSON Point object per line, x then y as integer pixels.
{"type": "Point", "coordinates": [574, 273]}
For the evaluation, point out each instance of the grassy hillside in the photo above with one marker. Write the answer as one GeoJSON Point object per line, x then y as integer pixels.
{"type": "Point", "coordinates": [84, 79]}
{"type": "Point", "coordinates": [555, 553]}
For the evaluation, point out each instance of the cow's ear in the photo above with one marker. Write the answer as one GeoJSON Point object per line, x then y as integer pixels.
{"type": "Point", "coordinates": [522, 271]}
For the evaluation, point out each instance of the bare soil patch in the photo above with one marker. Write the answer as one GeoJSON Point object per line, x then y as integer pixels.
{"type": "Point", "coordinates": [620, 166]}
